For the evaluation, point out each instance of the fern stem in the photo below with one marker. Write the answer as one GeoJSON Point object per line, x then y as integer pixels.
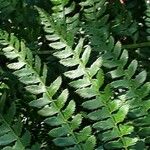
{"type": "Point", "coordinates": [136, 45]}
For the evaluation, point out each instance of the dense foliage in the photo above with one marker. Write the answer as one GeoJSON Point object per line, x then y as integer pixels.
{"type": "Point", "coordinates": [74, 74]}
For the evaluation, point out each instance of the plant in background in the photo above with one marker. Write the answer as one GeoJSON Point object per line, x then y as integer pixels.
{"type": "Point", "coordinates": [73, 75]}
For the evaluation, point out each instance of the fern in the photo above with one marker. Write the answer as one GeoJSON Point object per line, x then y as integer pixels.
{"type": "Point", "coordinates": [114, 111]}
{"type": "Point", "coordinates": [135, 89]}
{"type": "Point", "coordinates": [64, 19]}
{"type": "Point", "coordinates": [58, 116]}
{"type": "Point", "coordinates": [98, 98]}
{"type": "Point", "coordinates": [12, 136]}
{"type": "Point", "coordinates": [95, 23]}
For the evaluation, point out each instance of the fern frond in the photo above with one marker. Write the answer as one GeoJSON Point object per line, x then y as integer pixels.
{"type": "Point", "coordinates": [95, 23]}
{"type": "Point", "coordinates": [130, 83]}
{"type": "Point", "coordinates": [87, 82]}
{"type": "Point", "coordinates": [12, 135]}
{"type": "Point", "coordinates": [108, 113]}
{"type": "Point", "coordinates": [58, 113]}
{"type": "Point", "coordinates": [64, 19]}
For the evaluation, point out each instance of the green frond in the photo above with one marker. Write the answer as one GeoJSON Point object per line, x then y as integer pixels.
{"type": "Point", "coordinates": [108, 113]}
{"type": "Point", "coordinates": [57, 113]}
{"type": "Point", "coordinates": [13, 136]}
{"type": "Point", "coordinates": [95, 23]}
{"type": "Point", "coordinates": [64, 20]}
{"type": "Point", "coordinates": [129, 81]}
{"type": "Point", "coordinates": [99, 96]}
{"type": "Point", "coordinates": [90, 89]}
{"type": "Point", "coordinates": [87, 80]}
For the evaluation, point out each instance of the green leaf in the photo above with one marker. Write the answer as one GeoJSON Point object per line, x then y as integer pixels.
{"type": "Point", "coordinates": [84, 134]}
{"type": "Point", "coordinates": [11, 55]}
{"type": "Point", "coordinates": [64, 54]}
{"type": "Point", "coordinates": [132, 68]}
{"type": "Point", "coordinates": [44, 74]}
{"type": "Point", "coordinates": [16, 65]}
{"type": "Point", "coordinates": [3, 129]}
{"type": "Point", "coordinates": [64, 141]}
{"type": "Point", "coordinates": [26, 138]}
{"type": "Point", "coordinates": [114, 105]}
{"type": "Point", "coordinates": [48, 111]}
{"type": "Point", "coordinates": [68, 112]}
{"type": "Point", "coordinates": [7, 139]}
{"type": "Point", "coordinates": [86, 55]}
{"type": "Point", "coordinates": [120, 83]}
{"type": "Point", "coordinates": [55, 86]}
{"type": "Point", "coordinates": [117, 49]}
{"type": "Point", "coordinates": [90, 143]}
{"type": "Point", "coordinates": [75, 123]}
{"type": "Point", "coordinates": [8, 48]}
{"type": "Point", "coordinates": [117, 73]}
{"type": "Point", "coordinates": [23, 72]}
{"type": "Point", "coordinates": [121, 114]}
{"type": "Point", "coordinates": [35, 89]}
{"type": "Point", "coordinates": [60, 131]}
{"type": "Point", "coordinates": [103, 125]}
{"type": "Point", "coordinates": [58, 45]}
{"type": "Point", "coordinates": [79, 47]}
{"type": "Point", "coordinates": [95, 67]}
{"type": "Point", "coordinates": [9, 116]}
{"type": "Point", "coordinates": [62, 99]}
{"type": "Point", "coordinates": [29, 80]}
{"type": "Point", "coordinates": [37, 64]}
{"type": "Point", "coordinates": [74, 73]}
{"type": "Point", "coordinates": [69, 62]}
{"type": "Point", "coordinates": [141, 77]}
{"type": "Point", "coordinates": [124, 57]}
{"type": "Point", "coordinates": [110, 135]}
{"type": "Point", "coordinates": [80, 83]}
{"type": "Point", "coordinates": [93, 104]}
{"type": "Point", "coordinates": [17, 127]}
{"type": "Point", "coordinates": [40, 102]}
{"type": "Point", "coordinates": [130, 141]}
{"type": "Point", "coordinates": [54, 121]}
{"type": "Point", "coordinates": [52, 37]}
{"type": "Point", "coordinates": [87, 92]}
{"type": "Point", "coordinates": [144, 132]}
{"type": "Point", "coordinates": [126, 129]}
{"type": "Point", "coordinates": [102, 113]}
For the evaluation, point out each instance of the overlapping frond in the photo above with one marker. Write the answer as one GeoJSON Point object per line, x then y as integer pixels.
{"type": "Point", "coordinates": [59, 113]}
{"type": "Point", "coordinates": [113, 89]}
{"type": "Point", "coordinates": [107, 112]}
{"type": "Point", "coordinates": [130, 84]}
